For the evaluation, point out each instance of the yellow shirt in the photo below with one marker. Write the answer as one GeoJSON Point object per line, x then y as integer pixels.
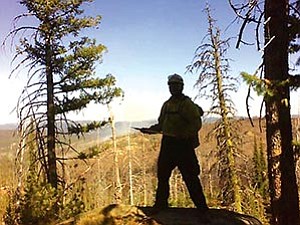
{"type": "Point", "coordinates": [180, 117]}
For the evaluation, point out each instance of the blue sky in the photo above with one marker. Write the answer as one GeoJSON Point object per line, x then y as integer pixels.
{"type": "Point", "coordinates": [146, 41]}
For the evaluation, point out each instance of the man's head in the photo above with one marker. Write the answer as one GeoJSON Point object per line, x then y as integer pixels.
{"type": "Point", "coordinates": [175, 83]}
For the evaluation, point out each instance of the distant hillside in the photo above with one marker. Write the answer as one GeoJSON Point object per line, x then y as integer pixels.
{"type": "Point", "coordinates": [125, 127]}
{"type": "Point", "coordinates": [8, 126]}
{"type": "Point", "coordinates": [8, 138]}
{"type": "Point", "coordinates": [121, 125]}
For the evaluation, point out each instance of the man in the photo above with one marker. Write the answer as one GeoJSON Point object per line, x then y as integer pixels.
{"type": "Point", "coordinates": [179, 122]}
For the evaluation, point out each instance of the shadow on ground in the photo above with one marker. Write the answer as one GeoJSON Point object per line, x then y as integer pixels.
{"type": "Point", "coordinates": [192, 216]}
{"type": "Point", "coordinates": [116, 214]}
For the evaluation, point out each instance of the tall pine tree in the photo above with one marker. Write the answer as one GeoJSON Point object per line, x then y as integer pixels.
{"type": "Point", "coordinates": [279, 21]}
{"type": "Point", "coordinates": [60, 64]}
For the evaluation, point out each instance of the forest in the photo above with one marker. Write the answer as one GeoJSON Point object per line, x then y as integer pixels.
{"type": "Point", "coordinates": [50, 172]}
{"type": "Point", "coordinates": [94, 185]}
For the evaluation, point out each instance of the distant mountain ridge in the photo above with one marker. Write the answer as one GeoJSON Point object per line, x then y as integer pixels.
{"type": "Point", "coordinates": [8, 126]}
{"type": "Point", "coordinates": [121, 126]}
{"type": "Point", "coordinates": [7, 136]}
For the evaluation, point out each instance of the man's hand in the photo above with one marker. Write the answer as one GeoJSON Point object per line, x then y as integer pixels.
{"type": "Point", "coordinates": [146, 130]}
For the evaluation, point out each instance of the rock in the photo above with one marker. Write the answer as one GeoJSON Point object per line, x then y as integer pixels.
{"type": "Point", "coordinates": [115, 214]}
{"type": "Point", "coordinates": [130, 215]}
{"type": "Point", "coordinates": [192, 216]}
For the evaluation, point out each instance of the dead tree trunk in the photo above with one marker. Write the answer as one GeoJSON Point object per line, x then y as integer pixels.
{"type": "Point", "coordinates": [117, 186]}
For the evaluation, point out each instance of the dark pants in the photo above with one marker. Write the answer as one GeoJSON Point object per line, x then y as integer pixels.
{"type": "Point", "coordinates": [178, 152]}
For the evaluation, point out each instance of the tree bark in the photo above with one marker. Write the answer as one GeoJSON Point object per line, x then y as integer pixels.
{"type": "Point", "coordinates": [282, 178]}
{"type": "Point", "coordinates": [52, 169]}
{"type": "Point", "coordinates": [234, 180]}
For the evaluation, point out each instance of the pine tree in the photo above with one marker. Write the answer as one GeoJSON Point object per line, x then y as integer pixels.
{"type": "Point", "coordinates": [60, 64]}
{"type": "Point", "coordinates": [279, 21]}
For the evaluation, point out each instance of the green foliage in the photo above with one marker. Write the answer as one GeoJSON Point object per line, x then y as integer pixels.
{"type": "Point", "coordinates": [254, 205]}
{"type": "Point", "coordinates": [259, 178]}
{"type": "Point", "coordinates": [91, 153]}
{"type": "Point", "coordinates": [74, 202]}
{"type": "Point", "coordinates": [257, 84]}
{"type": "Point", "coordinates": [226, 147]}
{"type": "Point", "coordinates": [268, 89]}
{"type": "Point", "coordinates": [37, 204]}
{"type": "Point", "coordinates": [34, 205]}
{"type": "Point", "coordinates": [78, 129]}
{"type": "Point", "coordinates": [60, 64]}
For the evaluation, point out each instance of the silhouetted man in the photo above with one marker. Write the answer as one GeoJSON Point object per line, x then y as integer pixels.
{"type": "Point", "coordinates": [179, 122]}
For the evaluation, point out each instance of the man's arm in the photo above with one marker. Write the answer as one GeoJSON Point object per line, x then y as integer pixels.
{"type": "Point", "coordinates": [191, 113]}
{"type": "Point", "coordinates": [154, 129]}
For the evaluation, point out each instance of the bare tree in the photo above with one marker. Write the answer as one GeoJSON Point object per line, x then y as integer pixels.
{"type": "Point", "coordinates": [117, 183]}
{"type": "Point", "coordinates": [215, 84]}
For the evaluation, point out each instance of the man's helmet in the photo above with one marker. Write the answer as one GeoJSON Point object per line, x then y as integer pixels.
{"type": "Point", "coordinates": [175, 78]}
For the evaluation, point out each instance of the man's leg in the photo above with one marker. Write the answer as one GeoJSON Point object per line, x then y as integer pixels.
{"type": "Point", "coordinates": [165, 166]}
{"type": "Point", "coordinates": [190, 170]}
{"type": "Point", "coordinates": [196, 191]}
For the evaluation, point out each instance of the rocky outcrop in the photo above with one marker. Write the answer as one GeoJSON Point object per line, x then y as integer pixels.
{"type": "Point", "coordinates": [192, 216]}
{"type": "Point", "coordinates": [131, 215]}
